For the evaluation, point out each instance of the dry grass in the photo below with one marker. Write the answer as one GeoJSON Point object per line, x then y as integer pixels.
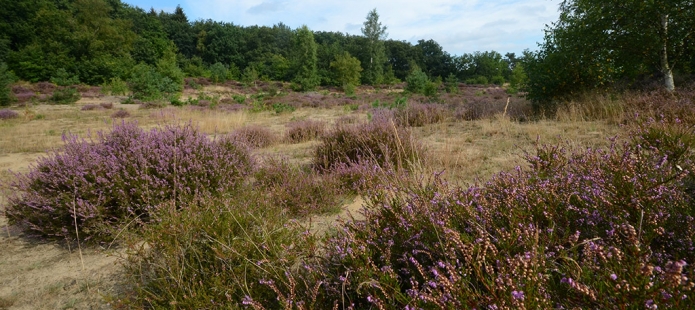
{"type": "Point", "coordinates": [465, 150]}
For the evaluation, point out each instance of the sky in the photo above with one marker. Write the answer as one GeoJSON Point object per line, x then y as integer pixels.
{"type": "Point", "coordinates": [459, 26]}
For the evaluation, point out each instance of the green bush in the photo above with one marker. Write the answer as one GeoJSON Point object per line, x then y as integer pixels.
{"type": "Point", "coordinates": [63, 78]}
{"type": "Point", "coordinates": [116, 87]}
{"type": "Point", "coordinates": [65, 95]}
{"type": "Point", "coordinates": [497, 80]}
{"type": "Point", "coordinates": [417, 81]}
{"type": "Point", "coordinates": [148, 84]}
{"type": "Point", "coordinates": [218, 73]}
{"type": "Point", "coordinates": [6, 79]}
{"type": "Point", "coordinates": [481, 80]}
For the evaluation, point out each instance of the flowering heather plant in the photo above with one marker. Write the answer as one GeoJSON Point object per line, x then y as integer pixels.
{"type": "Point", "coordinates": [380, 141]}
{"type": "Point", "coordinates": [120, 114]}
{"type": "Point", "coordinates": [254, 136]}
{"type": "Point", "coordinates": [126, 173]}
{"type": "Point", "coordinates": [302, 131]}
{"type": "Point", "coordinates": [90, 107]}
{"type": "Point", "coordinates": [593, 229]}
{"type": "Point", "coordinates": [8, 114]}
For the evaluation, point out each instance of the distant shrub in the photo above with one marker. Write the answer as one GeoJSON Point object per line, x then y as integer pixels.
{"type": "Point", "coordinates": [302, 131]}
{"type": "Point", "coordinates": [106, 105]}
{"type": "Point", "coordinates": [116, 87]}
{"type": "Point", "coordinates": [218, 73]}
{"type": "Point", "coordinates": [380, 141]}
{"type": "Point", "coordinates": [297, 191]}
{"type": "Point", "coordinates": [90, 107]}
{"type": "Point", "coordinates": [420, 114]}
{"type": "Point", "coordinates": [66, 95]}
{"type": "Point", "coordinates": [126, 173]}
{"type": "Point", "coordinates": [417, 81]}
{"type": "Point", "coordinates": [481, 80]}
{"type": "Point", "coordinates": [120, 114]}
{"type": "Point", "coordinates": [451, 85]}
{"type": "Point", "coordinates": [497, 80]}
{"type": "Point", "coordinates": [6, 79]}
{"type": "Point", "coordinates": [240, 99]}
{"type": "Point", "coordinates": [62, 78]}
{"type": "Point", "coordinates": [8, 114]}
{"type": "Point", "coordinates": [254, 136]}
{"type": "Point", "coordinates": [280, 108]}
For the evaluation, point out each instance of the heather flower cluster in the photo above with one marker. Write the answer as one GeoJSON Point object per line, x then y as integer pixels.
{"type": "Point", "coordinates": [125, 173]}
{"type": "Point", "coordinates": [590, 229]}
{"type": "Point", "coordinates": [8, 114]}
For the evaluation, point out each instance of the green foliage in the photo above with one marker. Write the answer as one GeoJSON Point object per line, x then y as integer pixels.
{"type": "Point", "coordinates": [146, 83]}
{"type": "Point", "coordinates": [65, 95]}
{"type": "Point", "coordinates": [306, 76]}
{"type": "Point", "coordinates": [250, 76]}
{"type": "Point", "coordinates": [346, 70]}
{"type": "Point", "coordinates": [6, 79]}
{"type": "Point", "coordinates": [451, 85]}
{"type": "Point", "coordinates": [218, 73]}
{"type": "Point", "coordinates": [481, 80]}
{"type": "Point", "coordinates": [375, 35]}
{"type": "Point", "coordinates": [116, 87]}
{"type": "Point", "coordinates": [63, 78]}
{"type": "Point", "coordinates": [497, 80]}
{"type": "Point", "coordinates": [280, 108]}
{"type": "Point", "coordinates": [417, 81]}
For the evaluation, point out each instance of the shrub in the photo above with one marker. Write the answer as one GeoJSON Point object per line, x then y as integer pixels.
{"type": "Point", "coordinates": [116, 87]}
{"type": "Point", "coordinates": [380, 141]}
{"type": "Point", "coordinates": [497, 80]}
{"type": "Point", "coordinates": [417, 81]}
{"type": "Point", "coordinates": [420, 114]}
{"type": "Point", "coordinates": [63, 78]}
{"type": "Point", "coordinates": [126, 173]}
{"type": "Point", "coordinates": [302, 131]}
{"type": "Point", "coordinates": [594, 229]}
{"type": "Point", "coordinates": [90, 107]}
{"type": "Point", "coordinates": [146, 83]}
{"type": "Point", "coordinates": [212, 253]}
{"type": "Point", "coordinates": [298, 192]}
{"type": "Point", "coordinates": [218, 73]}
{"type": "Point", "coordinates": [8, 114]}
{"type": "Point", "coordinates": [481, 80]}
{"type": "Point", "coordinates": [6, 79]}
{"type": "Point", "coordinates": [254, 136]}
{"type": "Point", "coordinates": [106, 105]}
{"type": "Point", "coordinates": [280, 108]}
{"type": "Point", "coordinates": [66, 95]}
{"type": "Point", "coordinates": [120, 114]}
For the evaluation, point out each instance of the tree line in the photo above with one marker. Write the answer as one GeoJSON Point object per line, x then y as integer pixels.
{"type": "Point", "coordinates": [96, 41]}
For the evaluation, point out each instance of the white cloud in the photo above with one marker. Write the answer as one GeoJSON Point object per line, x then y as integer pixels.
{"type": "Point", "coordinates": [460, 26]}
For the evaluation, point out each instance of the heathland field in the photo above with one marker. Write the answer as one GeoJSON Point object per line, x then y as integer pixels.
{"type": "Point", "coordinates": [263, 197]}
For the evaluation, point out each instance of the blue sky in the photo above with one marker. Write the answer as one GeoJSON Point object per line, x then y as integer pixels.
{"type": "Point", "coordinates": [462, 26]}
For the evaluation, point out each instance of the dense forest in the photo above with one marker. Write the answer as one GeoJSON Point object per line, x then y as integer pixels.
{"type": "Point", "coordinates": [95, 41]}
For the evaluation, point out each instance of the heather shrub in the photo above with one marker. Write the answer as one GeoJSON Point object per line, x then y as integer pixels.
{"type": "Point", "coordinates": [120, 114]}
{"type": "Point", "coordinates": [302, 131]}
{"type": "Point", "coordinates": [380, 141]}
{"type": "Point", "coordinates": [106, 105]}
{"type": "Point", "coordinates": [254, 136]}
{"type": "Point", "coordinates": [125, 173]}
{"type": "Point", "coordinates": [90, 107]}
{"type": "Point", "coordinates": [297, 191]}
{"type": "Point", "coordinates": [8, 114]}
{"type": "Point", "coordinates": [592, 229]}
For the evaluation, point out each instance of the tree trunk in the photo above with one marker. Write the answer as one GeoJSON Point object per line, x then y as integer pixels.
{"type": "Point", "coordinates": [665, 68]}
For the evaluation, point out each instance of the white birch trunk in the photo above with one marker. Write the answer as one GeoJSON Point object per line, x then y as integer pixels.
{"type": "Point", "coordinates": [665, 67]}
